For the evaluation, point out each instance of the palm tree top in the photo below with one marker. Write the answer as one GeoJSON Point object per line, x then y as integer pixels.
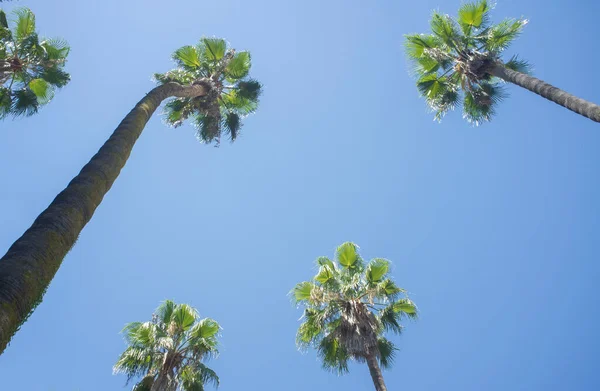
{"type": "Point", "coordinates": [348, 306]}
{"type": "Point", "coordinates": [173, 343]}
{"type": "Point", "coordinates": [31, 67]}
{"type": "Point", "coordinates": [451, 64]}
{"type": "Point", "coordinates": [232, 94]}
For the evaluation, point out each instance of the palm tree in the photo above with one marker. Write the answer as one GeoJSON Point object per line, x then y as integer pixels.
{"type": "Point", "coordinates": [349, 305]}
{"type": "Point", "coordinates": [461, 60]}
{"type": "Point", "coordinates": [31, 67]}
{"type": "Point", "coordinates": [210, 86]}
{"type": "Point", "coordinates": [166, 353]}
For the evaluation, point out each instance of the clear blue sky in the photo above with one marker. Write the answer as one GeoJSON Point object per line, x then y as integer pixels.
{"type": "Point", "coordinates": [493, 230]}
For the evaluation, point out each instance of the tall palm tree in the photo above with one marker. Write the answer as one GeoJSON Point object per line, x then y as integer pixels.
{"type": "Point", "coordinates": [210, 86]}
{"type": "Point", "coordinates": [31, 67]}
{"type": "Point", "coordinates": [167, 353]}
{"type": "Point", "coordinates": [349, 305]}
{"type": "Point", "coordinates": [462, 61]}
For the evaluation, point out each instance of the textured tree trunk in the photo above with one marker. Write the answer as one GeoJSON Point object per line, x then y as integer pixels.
{"type": "Point", "coordinates": [376, 373]}
{"type": "Point", "coordinates": [556, 95]}
{"type": "Point", "coordinates": [32, 261]}
{"type": "Point", "coordinates": [164, 382]}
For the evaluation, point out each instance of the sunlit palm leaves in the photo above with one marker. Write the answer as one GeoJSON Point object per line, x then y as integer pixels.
{"type": "Point", "coordinates": [451, 64]}
{"type": "Point", "coordinates": [31, 67]}
{"type": "Point", "coordinates": [349, 305]}
{"type": "Point", "coordinates": [232, 93]}
{"type": "Point", "coordinates": [174, 343]}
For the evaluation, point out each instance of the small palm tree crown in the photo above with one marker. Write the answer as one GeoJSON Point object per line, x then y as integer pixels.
{"type": "Point", "coordinates": [31, 67]}
{"type": "Point", "coordinates": [452, 63]}
{"type": "Point", "coordinates": [349, 305]}
{"type": "Point", "coordinates": [232, 94]}
{"type": "Point", "coordinates": [170, 349]}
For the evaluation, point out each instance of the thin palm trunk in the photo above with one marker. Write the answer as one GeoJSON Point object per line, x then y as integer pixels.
{"type": "Point", "coordinates": [556, 95]}
{"type": "Point", "coordinates": [376, 374]}
{"type": "Point", "coordinates": [32, 261]}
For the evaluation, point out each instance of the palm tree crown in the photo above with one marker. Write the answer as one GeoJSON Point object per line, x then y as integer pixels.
{"type": "Point", "coordinates": [31, 67]}
{"type": "Point", "coordinates": [452, 63]}
{"type": "Point", "coordinates": [232, 94]}
{"type": "Point", "coordinates": [168, 351]}
{"type": "Point", "coordinates": [348, 307]}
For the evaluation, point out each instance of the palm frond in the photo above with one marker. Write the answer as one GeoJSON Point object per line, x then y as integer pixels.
{"type": "Point", "coordinates": [445, 29]}
{"type": "Point", "coordinates": [42, 90]}
{"type": "Point", "coordinates": [238, 67]}
{"type": "Point", "coordinates": [184, 316]}
{"type": "Point", "coordinates": [249, 89]}
{"type": "Point", "coordinates": [165, 311]}
{"type": "Point", "coordinates": [56, 49]}
{"type": "Point", "coordinates": [377, 269]}
{"type": "Point", "coordinates": [212, 48]}
{"type": "Point", "coordinates": [387, 352]}
{"type": "Point", "coordinates": [187, 57]}
{"type": "Point", "coordinates": [519, 65]}
{"type": "Point", "coordinates": [233, 124]}
{"type": "Point", "coordinates": [500, 36]}
{"type": "Point", "coordinates": [473, 16]}
{"type": "Point", "coordinates": [405, 307]}
{"type": "Point", "coordinates": [25, 23]}
{"type": "Point", "coordinates": [55, 76]}
{"type": "Point", "coordinates": [479, 104]}
{"type": "Point", "coordinates": [334, 356]}
{"type": "Point", "coordinates": [24, 103]}
{"type": "Point", "coordinates": [347, 255]}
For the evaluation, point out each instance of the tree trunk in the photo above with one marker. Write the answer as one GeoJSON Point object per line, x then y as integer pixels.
{"type": "Point", "coordinates": [164, 382]}
{"type": "Point", "coordinates": [32, 261]}
{"type": "Point", "coordinates": [556, 95]}
{"type": "Point", "coordinates": [376, 373]}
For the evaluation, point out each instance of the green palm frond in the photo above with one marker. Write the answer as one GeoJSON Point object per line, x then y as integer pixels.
{"type": "Point", "coordinates": [387, 352]}
{"type": "Point", "coordinates": [24, 24]}
{"type": "Point", "coordinates": [479, 104]}
{"type": "Point", "coordinates": [165, 311]}
{"type": "Point", "coordinates": [250, 90]}
{"type": "Point", "coordinates": [347, 255]}
{"type": "Point", "coordinates": [519, 65]}
{"type": "Point", "coordinates": [473, 16]}
{"type": "Point", "coordinates": [24, 103]}
{"type": "Point", "coordinates": [238, 67]}
{"type": "Point", "coordinates": [233, 124]}
{"type": "Point", "coordinates": [445, 29]}
{"type": "Point", "coordinates": [184, 316]}
{"type": "Point", "coordinates": [376, 270]}
{"type": "Point", "coordinates": [188, 58]}
{"type": "Point", "coordinates": [213, 49]}
{"type": "Point", "coordinates": [145, 384]}
{"type": "Point", "coordinates": [500, 36]}
{"type": "Point", "coordinates": [334, 356]}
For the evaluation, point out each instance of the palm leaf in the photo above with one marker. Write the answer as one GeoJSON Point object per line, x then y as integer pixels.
{"type": "Point", "coordinates": [184, 316]}
{"type": "Point", "coordinates": [387, 352]}
{"type": "Point", "coordinates": [233, 124]}
{"type": "Point", "coordinates": [187, 57]}
{"type": "Point", "coordinates": [239, 66]}
{"type": "Point", "coordinates": [249, 89]}
{"type": "Point", "coordinates": [334, 356]}
{"type": "Point", "coordinates": [377, 269]}
{"type": "Point", "coordinates": [519, 65]}
{"type": "Point", "coordinates": [445, 29]}
{"type": "Point", "coordinates": [42, 90]}
{"type": "Point", "coordinates": [473, 15]}
{"type": "Point", "coordinates": [500, 36]}
{"type": "Point", "coordinates": [24, 103]}
{"type": "Point", "coordinates": [25, 23]}
{"type": "Point", "coordinates": [347, 254]}
{"type": "Point", "coordinates": [213, 48]}
{"type": "Point", "coordinates": [165, 311]}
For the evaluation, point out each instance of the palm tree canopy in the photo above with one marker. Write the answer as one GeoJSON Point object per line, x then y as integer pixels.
{"type": "Point", "coordinates": [31, 67]}
{"type": "Point", "coordinates": [175, 341]}
{"type": "Point", "coordinates": [233, 94]}
{"type": "Point", "coordinates": [451, 63]}
{"type": "Point", "coordinates": [348, 306]}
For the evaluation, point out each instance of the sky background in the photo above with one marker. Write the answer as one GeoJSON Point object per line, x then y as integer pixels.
{"type": "Point", "coordinates": [493, 230]}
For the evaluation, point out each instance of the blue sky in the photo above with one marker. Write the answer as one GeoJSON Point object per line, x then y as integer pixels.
{"type": "Point", "coordinates": [493, 230]}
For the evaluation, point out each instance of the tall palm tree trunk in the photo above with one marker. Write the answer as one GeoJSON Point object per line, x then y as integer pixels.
{"type": "Point", "coordinates": [556, 95]}
{"type": "Point", "coordinates": [32, 261]}
{"type": "Point", "coordinates": [376, 373]}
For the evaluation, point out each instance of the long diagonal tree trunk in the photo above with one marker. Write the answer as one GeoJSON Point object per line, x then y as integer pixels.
{"type": "Point", "coordinates": [32, 261]}
{"type": "Point", "coordinates": [376, 374]}
{"type": "Point", "coordinates": [540, 87]}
